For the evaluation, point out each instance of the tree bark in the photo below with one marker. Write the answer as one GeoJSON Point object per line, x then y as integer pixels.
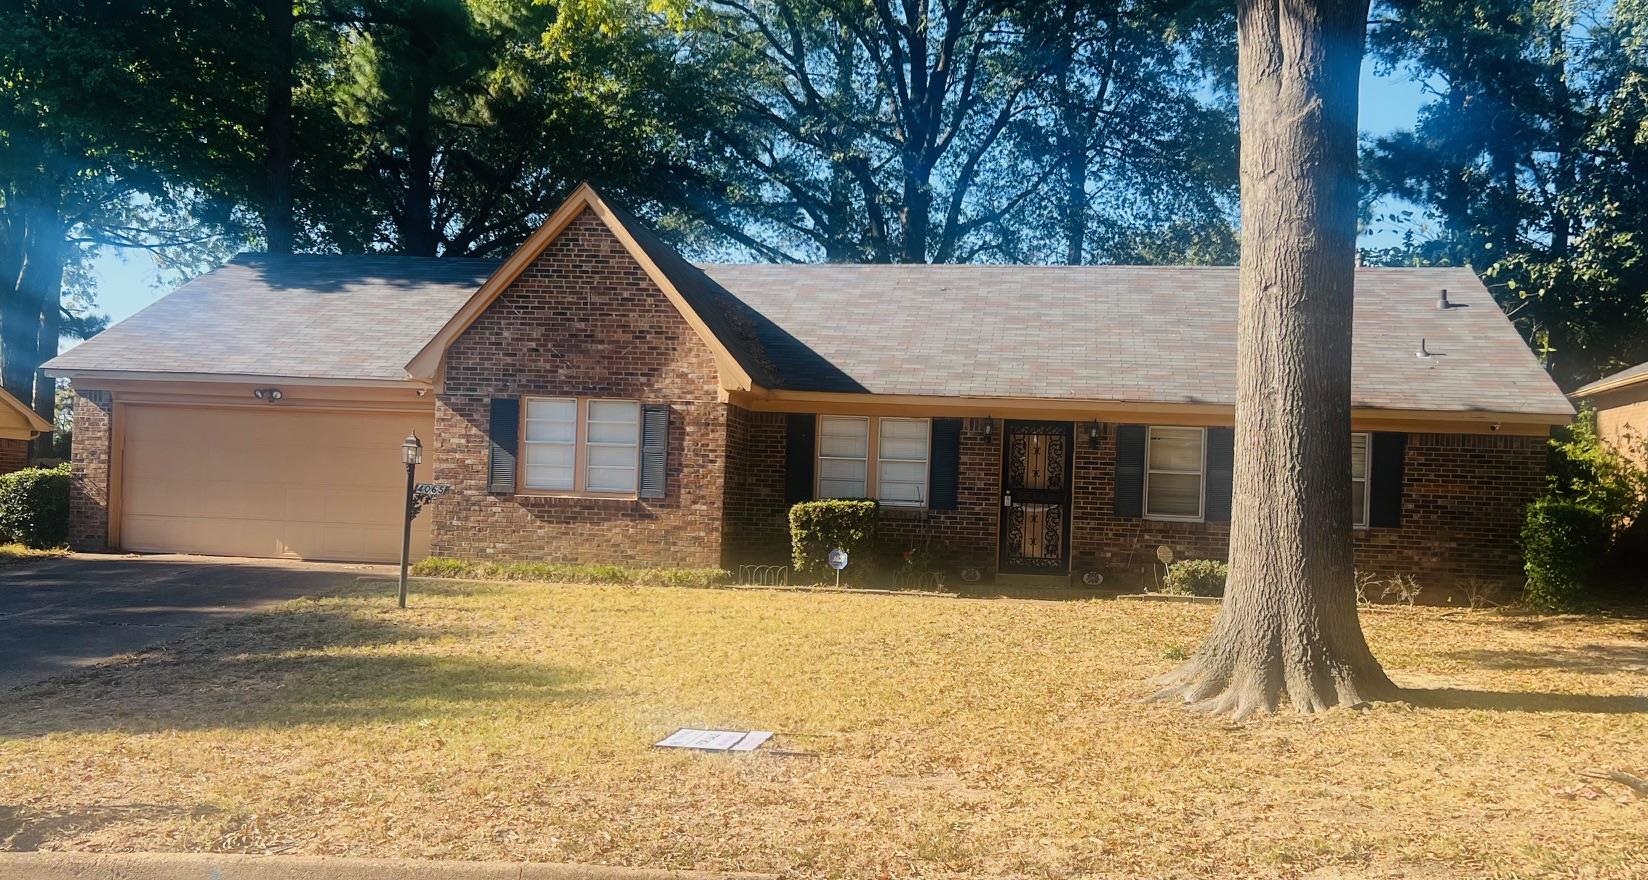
{"type": "Point", "coordinates": [419, 238]}
{"type": "Point", "coordinates": [277, 128]}
{"type": "Point", "coordinates": [1287, 631]}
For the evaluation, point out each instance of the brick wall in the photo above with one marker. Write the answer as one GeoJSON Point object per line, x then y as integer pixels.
{"type": "Point", "coordinates": [1462, 510]}
{"type": "Point", "coordinates": [756, 530]}
{"type": "Point", "coordinates": [1463, 499]}
{"type": "Point", "coordinates": [89, 480]}
{"type": "Point", "coordinates": [14, 455]}
{"type": "Point", "coordinates": [1622, 420]}
{"type": "Point", "coordinates": [583, 320]}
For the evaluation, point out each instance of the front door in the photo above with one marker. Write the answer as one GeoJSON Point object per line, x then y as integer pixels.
{"type": "Point", "coordinates": [1035, 497]}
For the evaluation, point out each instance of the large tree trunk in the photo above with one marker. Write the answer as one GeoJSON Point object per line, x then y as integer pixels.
{"type": "Point", "coordinates": [419, 238]}
{"type": "Point", "coordinates": [277, 128]}
{"type": "Point", "coordinates": [1287, 631]}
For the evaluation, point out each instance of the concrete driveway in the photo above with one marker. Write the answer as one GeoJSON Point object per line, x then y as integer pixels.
{"type": "Point", "coordinates": [60, 614]}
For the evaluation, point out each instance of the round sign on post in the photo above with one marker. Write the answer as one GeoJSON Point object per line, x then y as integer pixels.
{"type": "Point", "coordinates": [837, 559]}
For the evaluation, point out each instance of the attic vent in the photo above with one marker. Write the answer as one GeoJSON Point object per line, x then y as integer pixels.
{"type": "Point", "coordinates": [1442, 300]}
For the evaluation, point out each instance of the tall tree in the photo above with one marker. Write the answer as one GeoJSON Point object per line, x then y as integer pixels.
{"type": "Point", "coordinates": [1287, 631]}
{"type": "Point", "coordinates": [1527, 165]}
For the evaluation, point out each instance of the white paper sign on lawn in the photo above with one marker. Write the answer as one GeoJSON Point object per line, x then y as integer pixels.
{"type": "Point", "coordinates": [715, 740]}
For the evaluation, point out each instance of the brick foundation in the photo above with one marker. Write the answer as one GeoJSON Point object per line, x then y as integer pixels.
{"type": "Point", "coordinates": [89, 479]}
{"type": "Point", "coordinates": [14, 455]}
{"type": "Point", "coordinates": [584, 320]}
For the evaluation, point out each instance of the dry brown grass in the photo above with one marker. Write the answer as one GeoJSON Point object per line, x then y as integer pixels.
{"type": "Point", "coordinates": [20, 553]}
{"type": "Point", "coordinates": [949, 738]}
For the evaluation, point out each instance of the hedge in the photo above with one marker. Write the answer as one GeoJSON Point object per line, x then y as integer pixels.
{"type": "Point", "coordinates": [817, 527]}
{"type": "Point", "coordinates": [34, 507]}
{"type": "Point", "coordinates": [1562, 542]}
{"type": "Point", "coordinates": [1196, 577]}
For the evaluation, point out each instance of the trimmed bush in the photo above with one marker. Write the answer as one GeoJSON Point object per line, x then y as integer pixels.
{"type": "Point", "coordinates": [34, 507]}
{"type": "Point", "coordinates": [569, 573]}
{"type": "Point", "coordinates": [1562, 542]}
{"type": "Point", "coordinates": [1196, 577]}
{"type": "Point", "coordinates": [817, 527]}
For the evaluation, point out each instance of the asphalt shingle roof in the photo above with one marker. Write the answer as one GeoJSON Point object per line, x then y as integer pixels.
{"type": "Point", "coordinates": [1125, 333]}
{"type": "Point", "coordinates": [1113, 333]}
{"type": "Point", "coordinates": [304, 316]}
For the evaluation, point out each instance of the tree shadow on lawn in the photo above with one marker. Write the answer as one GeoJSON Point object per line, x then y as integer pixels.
{"type": "Point", "coordinates": [289, 667]}
{"type": "Point", "coordinates": [1514, 701]}
{"type": "Point", "coordinates": [1593, 659]}
{"type": "Point", "coordinates": [24, 829]}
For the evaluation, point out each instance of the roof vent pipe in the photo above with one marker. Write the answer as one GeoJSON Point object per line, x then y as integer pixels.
{"type": "Point", "coordinates": [1422, 352]}
{"type": "Point", "coordinates": [1442, 300]}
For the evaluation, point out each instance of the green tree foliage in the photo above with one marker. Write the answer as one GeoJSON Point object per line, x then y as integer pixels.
{"type": "Point", "coordinates": [1588, 471]}
{"type": "Point", "coordinates": [1529, 158]}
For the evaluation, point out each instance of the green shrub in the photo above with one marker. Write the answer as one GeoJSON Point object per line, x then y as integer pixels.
{"type": "Point", "coordinates": [1562, 542]}
{"type": "Point", "coordinates": [570, 573]}
{"type": "Point", "coordinates": [817, 527]}
{"type": "Point", "coordinates": [1196, 577]}
{"type": "Point", "coordinates": [34, 507]}
{"type": "Point", "coordinates": [1588, 471]}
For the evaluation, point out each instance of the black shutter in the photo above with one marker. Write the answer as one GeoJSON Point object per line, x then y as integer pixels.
{"type": "Point", "coordinates": [1385, 454]}
{"type": "Point", "coordinates": [1221, 449]}
{"type": "Point", "coordinates": [503, 433]}
{"type": "Point", "coordinates": [944, 468]}
{"type": "Point", "coordinates": [655, 419]}
{"type": "Point", "coordinates": [1129, 501]}
{"type": "Point", "coordinates": [800, 433]}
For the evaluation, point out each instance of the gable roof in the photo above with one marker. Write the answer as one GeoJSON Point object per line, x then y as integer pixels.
{"type": "Point", "coordinates": [352, 318]}
{"type": "Point", "coordinates": [1146, 334]}
{"type": "Point", "coordinates": [1613, 382]}
{"type": "Point", "coordinates": [714, 314]}
{"type": "Point", "coordinates": [17, 420]}
{"type": "Point", "coordinates": [1072, 334]}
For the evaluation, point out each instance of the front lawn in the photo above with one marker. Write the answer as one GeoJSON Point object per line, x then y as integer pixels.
{"type": "Point", "coordinates": [919, 737]}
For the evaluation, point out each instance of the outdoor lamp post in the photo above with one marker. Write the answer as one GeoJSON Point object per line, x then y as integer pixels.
{"type": "Point", "coordinates": [411, 454]}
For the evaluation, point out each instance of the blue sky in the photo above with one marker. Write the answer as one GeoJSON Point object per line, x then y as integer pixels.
{"type": "Point", "coordinates": [128, 281]}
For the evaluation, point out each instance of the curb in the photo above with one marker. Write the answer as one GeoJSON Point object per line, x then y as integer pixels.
{"type": "Point", "coordinates": [214, 866]}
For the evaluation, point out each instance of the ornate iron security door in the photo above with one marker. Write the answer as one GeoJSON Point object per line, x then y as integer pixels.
{"type": "Point", "coordinates": [1035, 499]}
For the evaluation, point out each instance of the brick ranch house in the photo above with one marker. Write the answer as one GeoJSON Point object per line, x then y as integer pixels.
{"type": "Point", "coordinates": [18, 425]}
{"type": "Point", "coordinates": [598, 398]}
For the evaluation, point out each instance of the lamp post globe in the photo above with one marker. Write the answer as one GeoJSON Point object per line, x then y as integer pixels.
{"type": "Point", "coordinates": [412, 450]}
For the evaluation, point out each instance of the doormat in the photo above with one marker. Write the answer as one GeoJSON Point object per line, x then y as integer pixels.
{"type": "Point", "coordinates": [715, 740]}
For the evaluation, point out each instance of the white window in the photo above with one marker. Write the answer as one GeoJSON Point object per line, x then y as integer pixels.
{"type": "Point", "coordinates": [901, 462]}
{"type": "Point", "coordinates": [572, 445]}
{"type": "Point", "coordinates": [550, 449]}
{"type": "Point", "coordinates": [1175, 460]}
{"type": "Point", "coordinates": [1359, 479]}
{"type": "Point", "coordinates": [843, 457]}
{"type": "Point", "coordinates": [612, 440]}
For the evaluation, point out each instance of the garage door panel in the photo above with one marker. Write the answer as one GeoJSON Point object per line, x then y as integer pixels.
{"type": "Point", "coordinates": [267, 482]}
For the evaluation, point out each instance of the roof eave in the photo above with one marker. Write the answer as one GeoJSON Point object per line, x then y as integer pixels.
{"type": "Point", "coordinates": [36, 424]}
{"type": "Point", "coordinates": [73, 373]}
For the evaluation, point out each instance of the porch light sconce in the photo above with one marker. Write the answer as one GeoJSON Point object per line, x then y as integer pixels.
{"type": "Point", "coordinates": [267, 395]}
{"type": "Point", "coordinates": [1095, 431]}
{"type": "Point", "coordinates": [989, 427]}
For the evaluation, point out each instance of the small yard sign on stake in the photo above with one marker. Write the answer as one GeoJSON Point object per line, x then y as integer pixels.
{"type": "Point", "coordinates": [837, 559]}
{"type": "Point", "coordinates": [715, 740]}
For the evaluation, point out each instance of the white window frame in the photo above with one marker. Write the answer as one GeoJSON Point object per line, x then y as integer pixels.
{"type": "Point", "coordinates": [1362, 519]}
{"type": "Point", "coordinates": [869, 454]}
{"type": "Point", "coordinates": [926, 463]}
{"type": "Point", "coordinates": [873, 460]}
{"type": "Point", "coordinates": [580, 450]}
{"type": "Point", "coordinates": [1201, 475]}
{"type": "Point", "coordinates": [526, 445]}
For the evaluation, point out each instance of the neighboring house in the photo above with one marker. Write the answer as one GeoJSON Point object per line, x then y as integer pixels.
{"type": "Point", "coordinates": [18, 425]}
{"type": "Point", "coordinates": [598, 398]}
{"type": "Point", "coordinates": [1621, 402]}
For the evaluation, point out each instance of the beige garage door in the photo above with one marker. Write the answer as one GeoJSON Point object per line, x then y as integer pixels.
{"type": "Point", "coordinates": [268, 482]}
